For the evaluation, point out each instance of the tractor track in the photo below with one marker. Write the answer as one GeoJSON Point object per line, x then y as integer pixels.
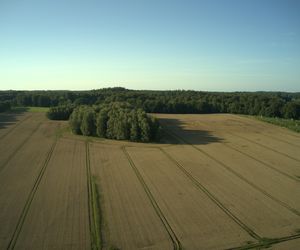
{"type": "Point", "coordinates": [260, 161]}
{"type": "Point", "coordinates": [20, 146]}
{"type": "Point", "coordinates": [270, 136]}
{"type": "Point", "coordinates": [278, 139]}
{"type": "Point", "coordinates": [267, 243]}
{"type": "Point", "coordinates": [212, 197]}
{"type": "Point", "coordinates": [293, 210]}
{"type": "Point", "coordinates": [266, 147]}
{"type": "Point", "coordinates": [176, 243]}
{"type": "Point", "coordinates": [30, 198]}
{"type": "Point", "coordinates": [14, 127]}
{"type": "Point", "coordinates": [263, 163]}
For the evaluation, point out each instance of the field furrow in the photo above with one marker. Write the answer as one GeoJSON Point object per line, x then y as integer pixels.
{"type": "Point", "coordinates": [129, 219]}
{"type": "Point", "coordinates": [197, 220]}
{"type": "Point", "coordinates": [58, 215]}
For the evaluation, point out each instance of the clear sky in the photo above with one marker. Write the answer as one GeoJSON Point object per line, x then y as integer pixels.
{"type": "Point", "coordinates": [223, 45]}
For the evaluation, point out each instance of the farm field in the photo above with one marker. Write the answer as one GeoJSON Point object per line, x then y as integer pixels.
{"type": "Point", "coordinates": [129, 219]}
{"type": "Point", "coordinates": [9, 122]}
{"type": "Point", "coordinates": [58, 214]}
{"type": "Point", "coordinates": [216, 182]}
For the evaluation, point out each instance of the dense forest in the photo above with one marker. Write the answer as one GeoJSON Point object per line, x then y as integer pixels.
{"type": "Point", "coordinates": [5, 106]}
{"type": "Point", "coordinates": [269, 104]}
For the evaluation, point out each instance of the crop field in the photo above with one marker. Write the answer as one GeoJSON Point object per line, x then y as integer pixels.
{"type": "Point", "coordinates": [214, 182]}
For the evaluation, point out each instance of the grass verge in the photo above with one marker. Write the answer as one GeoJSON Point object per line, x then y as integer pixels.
{"type": "Point", "coordinates": [293, 125]}
{"type": "Point", "coordinates": [29, 109]}
{"type": "Point", "coordinates": [94, 206]}
{"type": "Point", "coordinates": [96, 212]}
{"type": "Point", "coordinates": [38, 109]}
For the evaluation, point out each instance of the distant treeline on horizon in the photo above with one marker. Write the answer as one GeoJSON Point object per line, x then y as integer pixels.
{"type": "Point", "coordinates": [270, 104]}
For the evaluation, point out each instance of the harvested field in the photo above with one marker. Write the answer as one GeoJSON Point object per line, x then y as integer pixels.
{"type": "Point", "coordinates": [196, 219]}
{"type": "Point", "coordinates": [18, 178]}
{"type": "Point", "coordinates": [14, 141]}
{"type": "Point", "coordinates": [257, 211]}
{"type": "Point", "coordinates": [214, 182]}
{"type": "Point", "coordinates": [210, 150]}
{"type": "Point", "coordinates": [58, 214]}
{"type": "Point", "coordinates": [9, 121]}
{"type": "Point", "coordinates": [129, 219]}
{"type": "Point", "coordinates": [287, 245]}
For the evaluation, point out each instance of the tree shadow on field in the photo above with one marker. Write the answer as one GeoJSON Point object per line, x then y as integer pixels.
{"type": "Point", "coordinates": [10, 118]}
{"type": "Point", "coordinates": [175, 131]}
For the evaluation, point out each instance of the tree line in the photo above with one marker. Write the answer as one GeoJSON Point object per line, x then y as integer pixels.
{"type": "Point", "coordinates": [5, 106]}
{"type": "Point", "coordinates": [116, 120]}
{"type": "Point", "coordinates": [61, 112]}
{"type": "Point", "coordinates": [269, 104]}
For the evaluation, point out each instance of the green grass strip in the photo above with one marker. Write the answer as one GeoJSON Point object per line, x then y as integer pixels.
{"type": "Point", "coordinates": [94, 206]}
{"type": "Point", "coordinates": [291, 124]}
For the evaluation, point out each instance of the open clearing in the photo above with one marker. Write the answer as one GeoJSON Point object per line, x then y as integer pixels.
{"type": "Point", "coordinates": [218, 182]}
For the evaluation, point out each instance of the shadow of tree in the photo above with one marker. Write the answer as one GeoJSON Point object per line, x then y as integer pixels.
{"type": "Point", "coordinates": [176, 131]}
{"type": "Point", "coordinates": [11, 117]}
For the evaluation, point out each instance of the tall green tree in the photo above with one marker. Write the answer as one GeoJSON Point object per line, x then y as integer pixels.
{"type": "Point", "coordinates": [101, 123]}
{"type": "Point", "coordinates": [87, 126]}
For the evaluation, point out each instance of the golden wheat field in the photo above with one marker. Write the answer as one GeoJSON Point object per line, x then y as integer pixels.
{"type": "Point", "coordinates": [215, 181]}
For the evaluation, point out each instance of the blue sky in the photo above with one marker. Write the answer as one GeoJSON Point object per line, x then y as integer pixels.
{"type": "Point", "coordinates": [208, 45]}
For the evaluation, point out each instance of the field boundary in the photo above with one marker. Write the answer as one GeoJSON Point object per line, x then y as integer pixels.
{"type": "Point", "coordinates": [293, 210]}
{"type": "Point", "coordinates": [30, 198]}
{"type": "Point", "coordinates": [264, 146]}
{"type": "Point", "coordinates": [176, 243]}
{"type": "Point", "coordinates": [212, 197]}
{"type": "Point", "coordinates": [94, 209]}
{"type": "Point", "coordinates": [17, 125]}
{"type": "Point", "coordinates": [20, 146]}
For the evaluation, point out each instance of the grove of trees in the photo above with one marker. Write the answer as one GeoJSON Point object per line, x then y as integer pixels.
{"type": "Point", "coordinates": [61, 112]}
{"type": "Point", "coordinates": [116, 120]}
